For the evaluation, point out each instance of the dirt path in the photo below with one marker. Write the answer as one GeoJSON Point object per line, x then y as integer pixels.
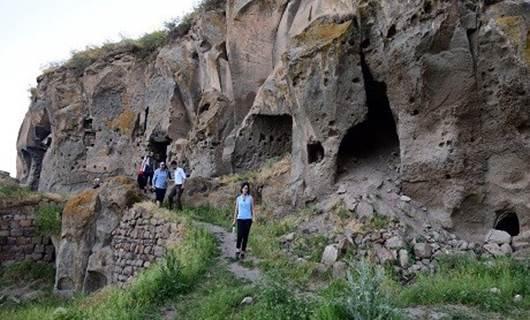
{"type": "Point", "coordinates": [227, 242]}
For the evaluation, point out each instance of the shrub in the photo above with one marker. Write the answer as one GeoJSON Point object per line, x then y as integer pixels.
{"type": "Point", "coordinates": [48, 220]}
{"type": "Point", "coordinates": [363, 297]}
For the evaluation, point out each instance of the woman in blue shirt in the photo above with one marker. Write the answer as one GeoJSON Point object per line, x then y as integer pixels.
{"type": "Point", "coordinates": [160, 179]}
{"type": "Point", "coordinates": [243, 216]}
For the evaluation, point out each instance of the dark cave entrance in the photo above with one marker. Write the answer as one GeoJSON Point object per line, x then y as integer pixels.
{"type": "Point", "coordinates": [94, 281]}
{"type": "Point", "coordinates": [269, 136]}
{"type": "Point", "coordinates": [509, 222]}
{"type": "Point", "coordinates": [377, 135]}
{"type": "Point", "coordinates": [159, 149]}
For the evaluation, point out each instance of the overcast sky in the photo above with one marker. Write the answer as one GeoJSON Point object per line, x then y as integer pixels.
{"type": "Point", "coordinates": [36, 32]}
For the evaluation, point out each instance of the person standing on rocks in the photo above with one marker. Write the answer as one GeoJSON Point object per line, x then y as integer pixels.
{"type": "Point", "coordinates": [160, 180]}
{"type": "Point", "coordinates": [243, 216]}
{"type": "Point", "coordinates": [179, 177]}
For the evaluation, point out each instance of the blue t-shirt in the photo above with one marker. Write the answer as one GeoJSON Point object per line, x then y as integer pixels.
{"type": "Point", "coordinates": [244, 207]}
{"type": "Point", "coordinates": [160, 178]}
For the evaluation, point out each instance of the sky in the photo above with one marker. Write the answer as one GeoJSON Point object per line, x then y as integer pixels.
{"type": "Point", "coordinates": [34, 33]}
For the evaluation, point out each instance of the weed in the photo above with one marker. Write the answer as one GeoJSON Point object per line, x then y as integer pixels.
{"type": "Point", "coordinates": [48, 219]}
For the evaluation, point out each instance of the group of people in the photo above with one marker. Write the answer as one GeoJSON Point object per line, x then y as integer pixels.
{"type": "Point", "coordinates": [159, 180]}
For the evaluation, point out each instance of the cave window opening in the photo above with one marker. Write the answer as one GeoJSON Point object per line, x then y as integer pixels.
{"type": "Point", "coordinates": [159, 149]}
{"type": "Point", "coordinates": [509, 222]}
{"type": "Point", "coordinates": [87, 124]}
{"type": "Point", "coordinates": [315, 152]}
{"type": "Point", "coordinates": [377, 134]}
{"type": "Point", "coordinates": [268, 137]}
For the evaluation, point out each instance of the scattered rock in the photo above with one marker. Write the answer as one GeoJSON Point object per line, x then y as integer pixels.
{"type": "Point", "coordinates": [396, 242]}
{"type": "Point", "coordinates": [494, 290]}
{"type": "Point", "coordinates": [423, 250]}
{"type": "Point", "coordinates": [517, 298]}
{"type": "Point", "coordinates": [330, 255]}
{"type": "Point", "coordinates": [506, 249]}
{"type": "Point", "coordinates": [498, 236]}
{"type": "Point", "coordinates": [383, 254]}
{"type": "Point", "coordinates": [405, 198]}
{"type": "Point", "coordinates": [404, 260]}
{"type": "Point", "coordinates": [288, 237]}
{"type": "Point", "coordinates": [339, 269]}
{"type": "Point", "coordinates": [247, 301]}
{"type": "Point", "coordinates": [364, 210]}
{"type": "Point", "coordinates": [493, 249]}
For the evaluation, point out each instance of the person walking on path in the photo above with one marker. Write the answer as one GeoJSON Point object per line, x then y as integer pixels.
{"type": "Point", "coordinates": [141, 178]}
{"type": "Point", "coordinates": [180, 178]}
{"type": "Point", "coordinates": [243, 215]}
{"type": "Point", "coordinates": [160, 181]}
{"type": "Point", "coordinates": [148, 167]}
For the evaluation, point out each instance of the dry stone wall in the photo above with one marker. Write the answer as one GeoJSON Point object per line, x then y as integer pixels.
{"type": "Point", "coordinates": [140, 239]}
{"type": "Point", "coordinates": [19, 239]}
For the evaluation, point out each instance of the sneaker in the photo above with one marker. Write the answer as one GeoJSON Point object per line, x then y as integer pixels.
{"type": "Point", "coordinates": [242, 255]}
{"type": "Point", "coordinates": [237, 255]}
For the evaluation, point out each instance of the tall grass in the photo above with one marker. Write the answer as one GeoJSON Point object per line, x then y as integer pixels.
{"type": "Point", "coordinates": [463, 279]}
{"type": "Point", "coordinates": [177, 273]}
{"type": "Point", "coordinates": [13, 192]}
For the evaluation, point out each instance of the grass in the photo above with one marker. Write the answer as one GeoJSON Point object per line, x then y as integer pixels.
{"type": "Point", "coordinates": [48, 219]}
{"type": "Point", "coordinates": [23, 272]}
{"type": "Point", "coordinates": [143, 47]}
{"type": "Point", "coordinates": [9, 192]}
{"type": "Point", "coordinates": [310, 247]}
{"type": "Point", "coordinates": [463, 279]}
{"type": "Point", "coordinates": [221, 216]}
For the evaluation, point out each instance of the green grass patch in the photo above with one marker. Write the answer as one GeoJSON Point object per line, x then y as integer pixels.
{"type": "Point", "coordinates": [221, 216]}
{"type": "Point", "coordinates": [14, 192]}
{"type": "Point", "coordinates": [40, 309]}
{"type": "Point", "coordinates": [463, 279]}
{"type": "Point", "coordinates": [23, 272]}
{"type": "Point", "coordinates": [48, 219]}
{"type": "Point", "coordinates": [310, 247]}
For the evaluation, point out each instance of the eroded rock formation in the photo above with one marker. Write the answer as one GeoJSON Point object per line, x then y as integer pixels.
{"type": "Point", "coordinates": [379, 99]}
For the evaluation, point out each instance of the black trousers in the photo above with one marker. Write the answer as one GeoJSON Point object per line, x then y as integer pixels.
{"type": "Point", "coordinates": [160, 194]}
{"type": "Point", "coordinates": [176, 192]}
{"type": "Point", "coordinates": [243, 230]}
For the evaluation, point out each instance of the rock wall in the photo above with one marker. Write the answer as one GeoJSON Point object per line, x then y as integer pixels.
{"type": "Point", "coordinates": [426, 99]}
{"type": "Point", "coordinates": [19, 239]}
{"type": "Point", "coordinates": [84, 255]}
{"type": "Point", "coordinates": [141, 238]}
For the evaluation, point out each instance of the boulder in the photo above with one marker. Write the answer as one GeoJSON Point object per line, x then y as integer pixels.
{"type": "Point", "coordinates": [331, 255]}
{"type": "Point", "coordinates": [423, 250]}
{"type": "Point", "coordinates": [383, 254]}
{"type": "Point", "coordinates": [364, 210]}
{"type": "Point", "coordinates": [395, 242]}
{"type": "Point", "coordinates": [498, 236]}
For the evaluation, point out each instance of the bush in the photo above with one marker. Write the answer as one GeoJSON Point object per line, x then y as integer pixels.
{"type": "Point", "coordinates": [362, 296]}
{"type": "Point", "coordinates": [48, 220]}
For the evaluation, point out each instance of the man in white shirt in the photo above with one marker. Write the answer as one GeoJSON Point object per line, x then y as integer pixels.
{"type": "Point", "coordinates": [180, 178]}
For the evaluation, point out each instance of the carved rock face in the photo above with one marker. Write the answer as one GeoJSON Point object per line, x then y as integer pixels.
{"type": "Point", "coordinates": [424, 98]}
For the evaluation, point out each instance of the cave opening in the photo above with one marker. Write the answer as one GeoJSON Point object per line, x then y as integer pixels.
{"type": "Point", "coordinates": [315, 152]}
{"type": "Point", "coordinates": [509, 222]}
{"type": "Point", "coordinates": [268, 137]}
{"type": "Point", "coordinates": [94, 281]}
{"type": "Point", "coordinates": [377, 135]}
{"type": "Point", "coordinates": [159, 149]}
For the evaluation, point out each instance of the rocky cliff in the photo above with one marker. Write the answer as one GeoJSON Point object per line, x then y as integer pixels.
{"type": "Point", "coordinates": [378, 101]}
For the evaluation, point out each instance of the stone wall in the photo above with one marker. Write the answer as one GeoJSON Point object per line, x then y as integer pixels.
{"type": "Point", "coordinates": [19, 239]}
{"type": "Point", "coordinates": [140, 239]}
